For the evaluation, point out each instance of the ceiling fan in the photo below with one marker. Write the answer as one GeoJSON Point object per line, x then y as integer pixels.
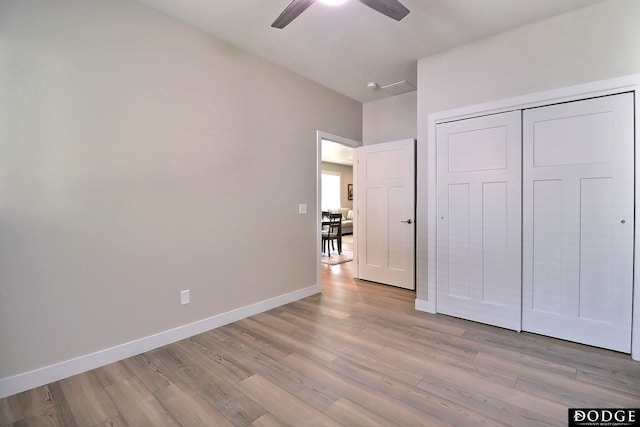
{"type": "Point", "coordinates": [391, 8]}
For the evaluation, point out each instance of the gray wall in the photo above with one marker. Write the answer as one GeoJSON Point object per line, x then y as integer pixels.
{"type": "Point", "coordinates": [138, 157]}
{"type": "Point", "coordinates": [389, 119]}
{"type": "Point", "coordinates": [594, 43]}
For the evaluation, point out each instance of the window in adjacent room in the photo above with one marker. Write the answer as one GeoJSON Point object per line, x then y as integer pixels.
{"type": "Point", "coordinates": [330, 190]}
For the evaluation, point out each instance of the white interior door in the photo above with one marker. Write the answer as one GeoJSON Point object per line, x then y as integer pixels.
{"type": "Point", "coordinates": [385, 200]}
{"type": "Point", "coordinates": [479, 219]}
{"type": "Point", "coordinates": [578, 205]}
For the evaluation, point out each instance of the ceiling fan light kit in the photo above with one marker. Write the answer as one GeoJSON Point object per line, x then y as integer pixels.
{"type": "Point", "coordinates": [391, 8]}
{"type": "Point", "coordinates": [333, 2]}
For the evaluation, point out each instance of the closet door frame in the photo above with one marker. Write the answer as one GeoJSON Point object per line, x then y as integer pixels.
{"type": "Point", "coordinates": [567, 94]}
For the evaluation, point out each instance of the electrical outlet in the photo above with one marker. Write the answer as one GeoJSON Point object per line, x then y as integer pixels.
{"type": "Point", "coordinates": [184, 297]}
{"type": "Point", "coordinates": [302, 208]}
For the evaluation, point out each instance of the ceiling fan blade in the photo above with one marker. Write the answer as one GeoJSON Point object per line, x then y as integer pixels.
{"type": "Point", "coordinates": [291, 12]}
{"type": "Point", "coordinates": [391, 8]}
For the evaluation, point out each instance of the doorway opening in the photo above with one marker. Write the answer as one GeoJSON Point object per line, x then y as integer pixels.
{"type": "Point", "coordinates": [335, 169]}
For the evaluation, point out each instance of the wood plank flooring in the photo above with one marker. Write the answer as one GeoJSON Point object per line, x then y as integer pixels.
{"type": "Point", "coordinates": [356, 355]}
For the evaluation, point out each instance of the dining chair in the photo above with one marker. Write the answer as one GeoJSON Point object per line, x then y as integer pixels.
{"type": "Point", "coordinates": [332, 231]}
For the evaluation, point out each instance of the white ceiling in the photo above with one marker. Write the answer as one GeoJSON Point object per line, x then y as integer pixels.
{"type": "Point", "coordinates": [345, 47]}
{"type": "Point", "coordinates": [334, 152]}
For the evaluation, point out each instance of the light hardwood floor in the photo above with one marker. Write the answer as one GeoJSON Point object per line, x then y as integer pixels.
{"type": "Point", "coordinates": [356, 355]}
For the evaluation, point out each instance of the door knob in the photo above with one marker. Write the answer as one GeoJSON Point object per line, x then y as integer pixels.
{"type": "Point", "coordinates": [408, 221]}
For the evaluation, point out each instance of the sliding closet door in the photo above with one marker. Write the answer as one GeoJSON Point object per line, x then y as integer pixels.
{"type": "Point", "coordinates": [578, 220]}
{"type": "Point", "coordinates": [479, 219]}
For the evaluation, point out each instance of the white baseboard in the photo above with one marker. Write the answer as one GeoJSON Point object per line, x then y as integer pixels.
{"type": "Point", "coordinates": [424, 305]}
{"type": "Point", "coordinates": [41, 376]}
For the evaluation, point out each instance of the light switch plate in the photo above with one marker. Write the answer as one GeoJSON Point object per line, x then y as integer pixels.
{"type": "Point", "coordinates": [302, 208]}
{"type": "Point", "coordinates": [184, 297]}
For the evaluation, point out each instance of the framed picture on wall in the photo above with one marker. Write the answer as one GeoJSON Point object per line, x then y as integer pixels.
{"type": "Point", "coordinates": [350, 191]}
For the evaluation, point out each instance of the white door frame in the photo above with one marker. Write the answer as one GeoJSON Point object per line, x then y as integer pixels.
{"type": "Point", "coordinates": [320, 136]}
{"type": "Point", "coordinates": [572, 93]}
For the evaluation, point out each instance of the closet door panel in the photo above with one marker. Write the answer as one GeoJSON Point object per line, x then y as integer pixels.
{"type": "Point", "coordinates": [495, 240]}
{"type": "Point", "coordinates": [459, 265]}
{"type": "Point", "coordinates": [578, 220]}
{"type": "Point", "coordinates": [596, 247]}
{"type": "Point", "coordinates": [548, 252]}
{"type": "Point", "coordinates": [479, 217]}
